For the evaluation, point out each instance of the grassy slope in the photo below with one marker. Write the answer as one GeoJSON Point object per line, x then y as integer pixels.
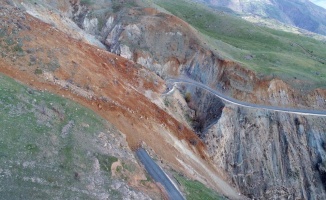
{"type": "Point", "coordinates": [41, 156]}
{"type": "Point", "coordinates": [274, 52]}
{"type": "Point", "coordinates": [195, 190]}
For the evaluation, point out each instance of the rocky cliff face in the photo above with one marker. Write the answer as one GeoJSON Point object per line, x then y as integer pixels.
{"type": "Point", "coordinates": [270, 155]}
{"type": "Point", "coordinates": [206, 107]}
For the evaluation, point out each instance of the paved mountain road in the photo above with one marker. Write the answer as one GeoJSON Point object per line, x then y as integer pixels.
{"type": "Point", "coordinates": [158, 175]}
{"type": "Point", "coordinates": [241, 103]}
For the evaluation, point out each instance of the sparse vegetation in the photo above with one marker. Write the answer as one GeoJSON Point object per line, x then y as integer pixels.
{"type": "Point", "coordinates": [117, 5]}
{"type": "Point", "coordinates": [128, 166]}
{"type": "Point", "coordinates": [119, 169]}
{"type": "Point", "coordinates": [53, 65]}
{"type": "Point", "coordinates": [106, 162]}
{"type": "Point", "coordinates": [9, 41]}
{"type": "Point", "coordinates": [193, 141]}
{"type": "Point", "coordinates": [189, 119]}
{"type": "Point", "coordinates": [166, 102]}
{"type": "Point", "coordinates": [38, 71]}
{"type": "Point", "coordinates": [101, 23]}
{"type": "Point", "coordinates": [195, 190]}
{"type": "Point", "coordinates": [86, 2]}
{"type": "Point", "coordinates": [18, 48]}
{"type": "Point", "coordinates": [46, 148]}
{"type": "Point", "coordinates": [3, 32]}
{"type": "Point", "coordinates": [32, 148]}
{"type": "Point", "coordinates": [188, 97]}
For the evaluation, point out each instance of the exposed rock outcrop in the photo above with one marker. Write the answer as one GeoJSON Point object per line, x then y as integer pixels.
{"type": "Point", "coordinates": [270, 155]}
{"type": "Point", "coordinates": [207, 108]}
{"type": "Point", "coordinates": [78, 13]}
{"type": "Point", "coordinates": [169, 47]}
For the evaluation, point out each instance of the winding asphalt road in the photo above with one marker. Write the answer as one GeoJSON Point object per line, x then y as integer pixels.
{"type": "Point", "coordinates": [158, 175]}
{"type": "Point", "coordinates": [241, 103]}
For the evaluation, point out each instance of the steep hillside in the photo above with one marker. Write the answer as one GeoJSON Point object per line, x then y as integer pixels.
{"type": "Point", "coordinates": [271, 155]}
{"type": "Point", "coordinates": [119, 90]}
{"type": "Point", "coordinates": [53, 147]}
{"type": "Point", "coordinates": [301, 13]}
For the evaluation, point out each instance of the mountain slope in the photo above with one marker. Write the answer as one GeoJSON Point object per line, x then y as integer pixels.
{"type": "Point", "coordinates": [266, 51]}
{"type": "Point", "coordinates": [124, 93]}
{"type": "Point", "coordinates": [301, 13]}
{"type": "Point", "coordinates": [53, 147]}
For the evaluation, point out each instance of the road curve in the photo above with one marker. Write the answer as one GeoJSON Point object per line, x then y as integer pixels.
{"type": "Point", "coordinates": [241, 103]}
{"type": "Point", "coordinates": [158, 175]}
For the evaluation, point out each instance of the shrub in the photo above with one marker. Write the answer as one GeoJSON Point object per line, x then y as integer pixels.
{"type": "Point", "coordinates": [38, 71]}
{"type": "Point", "coordinates": [86, 2]}
{"type": "Point", "coordinates": [188, 97]}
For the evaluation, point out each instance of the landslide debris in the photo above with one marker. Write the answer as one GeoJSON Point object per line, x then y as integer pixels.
{"type": "Point", "coordinates": [117, 89]}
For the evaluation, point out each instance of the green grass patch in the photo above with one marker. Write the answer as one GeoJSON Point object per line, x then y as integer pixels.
{"type": "Point", "coordinates": [106, 162]}
{"type": "Point", "coordinates": [129, 166]}
{"type": "Point", "coordinates": [32, 148]}
{"type": "Point", "coordinates": [18, 48]}
{"type": "Point", "coordinates": [9, 41]}
{"type": "Point", "coordinates": [86, 2]}
{"type": "Point", "coordinates": [48, 146]}
{"type": "Point", "coordinates": [118, 5]}
{"type": "Point", "coordinates": [196, 191]}
{"type": "Point", "coordinates": [3, 32]}
{"type": "Point", "coordinates": [38, 71]}
{"type": "Point", "coordinates": [166, 102]}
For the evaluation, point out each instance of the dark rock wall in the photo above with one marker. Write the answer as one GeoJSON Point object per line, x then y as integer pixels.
{"type": "Point", "coordinates": [270, 155]}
